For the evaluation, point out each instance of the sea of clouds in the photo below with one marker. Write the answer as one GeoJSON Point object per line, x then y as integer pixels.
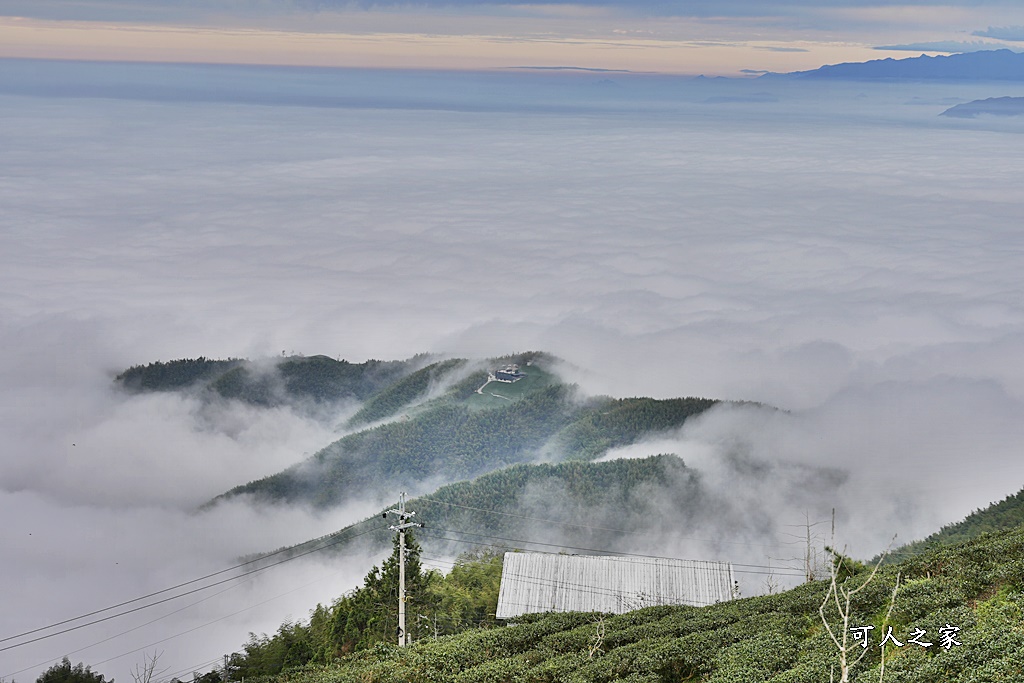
{"type": "Point", "coordinates": [839, 253]}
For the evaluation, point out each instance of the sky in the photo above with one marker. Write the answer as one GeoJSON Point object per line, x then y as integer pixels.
{"type": "Point", "coordinates": [840, 252]}
{"type": "Point", "coordinates": [692, 37]}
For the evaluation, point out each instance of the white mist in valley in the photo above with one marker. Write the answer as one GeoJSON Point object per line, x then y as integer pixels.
{"type": "Point", "coordinates": [852, 261]}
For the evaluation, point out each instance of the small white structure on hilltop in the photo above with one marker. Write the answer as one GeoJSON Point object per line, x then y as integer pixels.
{"type": "Point", "coordinates": [545, 582]}
{"type": "Point", "coordinates": [509, 374]}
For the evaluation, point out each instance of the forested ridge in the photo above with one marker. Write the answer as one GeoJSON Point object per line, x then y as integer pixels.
{"type": "Point", "coordinates": [599, 503]}
{"type": "Point", "coordinates": [620, 422]}
{"type": "Point", "coordinates": [451, 439]}
{"type": "Point", "coordinates": [271, 382]}
{"type": "Point", "coordinates": [175, 374]}
{"type": "Point", "coordinates": [405, 391]}
{"type": "Point", "coordinates": [447, 424]}
{"type": "Point", "coordinates": [1005, 514]}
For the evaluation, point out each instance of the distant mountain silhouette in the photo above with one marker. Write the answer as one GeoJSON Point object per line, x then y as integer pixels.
{"type": "Point", "coordinates": [997, 106]}
{"type": "Point", "coordinates": [989, 65]}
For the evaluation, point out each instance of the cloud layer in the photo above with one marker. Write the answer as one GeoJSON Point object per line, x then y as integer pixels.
{"type": "Point", "coordinates": [844, 255]}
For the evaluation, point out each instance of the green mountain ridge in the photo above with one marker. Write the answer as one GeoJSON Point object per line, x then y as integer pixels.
{"type": "Point", "coordinates": [998, 516]}
{"type": "Point", "coordinates": [975, 584]}
{"type": "Point", "coordinates": [469, 429]}
{"type": "Point", "coordinates": [279, 381]}
{"type": "Point", "coordinates": [585, 496]}
{"type": "Point", "coordinates": [637, 505]}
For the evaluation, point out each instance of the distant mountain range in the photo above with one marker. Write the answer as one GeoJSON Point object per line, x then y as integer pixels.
{"type": "Point", "coordinates": [995, 106]}
{"type": "Point", "coordinates": [987, 65]}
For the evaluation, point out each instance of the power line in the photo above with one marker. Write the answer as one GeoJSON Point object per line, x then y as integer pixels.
{"type": "Point", "coordinates": [180, 595]}
{"type": "Point", "coordinates": [431, 531]}
{"type": "Point", "coordinates": [193, 668]}
{"type": "Point", "coordinates": [589, 588]}
{"type": "Point", "coordinates": [196, 628]}
{"type": "Point", "coordinates": [597, 550]}
{"type": "Point", "coordinates": [180, 585]}
{"type": "Point", "coordinates": [586, 526]}
{"type": "Point", "coordinates": [630, 533]}
{"type": "Point", "coordinates": [209, 623]}
{"type": "Point", "coordinates": [123, 633]}
{"type": "Point", "coordinates": [317, 549]}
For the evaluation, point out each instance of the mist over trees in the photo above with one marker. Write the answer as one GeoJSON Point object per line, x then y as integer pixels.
{"type": "Point", "coordinates": [288, 380]}
{"type": "Point", "coordinates": [460, 433]}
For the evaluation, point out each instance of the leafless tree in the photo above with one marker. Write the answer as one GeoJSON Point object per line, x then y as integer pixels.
{"type": "Point", "coordinates": [771, 584]}
{"type": "Point", "coordinates": [842, 597]}
{"type": "Point", "coordinates": [598, 642]}
{"type": "Point", "coordinates": [892, 603]}
{"type": "Point", "coordinates": [146, 672]}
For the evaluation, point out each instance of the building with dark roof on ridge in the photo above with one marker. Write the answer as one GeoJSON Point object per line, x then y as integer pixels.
{"type": "Point", "coordinates": [510, 373]}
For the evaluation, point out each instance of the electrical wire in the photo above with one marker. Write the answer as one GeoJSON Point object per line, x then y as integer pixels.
{"type": "Point", "coordinates": [209, 623]}
{"type": "Point", "coordinates": [180, 595]}
{"type": "Point", "coordinates": [196, 628]}
{"type": "Point", "coordinates": [193, 668]}
{"type": "Point", "coordinates": [321, 539]}
{"type": "Point", "coordinates": [595, 590]}
{"type": "Point", "coordinates": [569, 547]}
{"type": "Point", "coordinates": [124, 633]}
{"type": "Point", "coordinates": [180, 585]}
{"type": "Point", "coordinates": [586, 526]}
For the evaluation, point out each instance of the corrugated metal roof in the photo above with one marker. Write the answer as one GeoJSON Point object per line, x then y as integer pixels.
{"type": "Point", "coordinates": [544, 582]}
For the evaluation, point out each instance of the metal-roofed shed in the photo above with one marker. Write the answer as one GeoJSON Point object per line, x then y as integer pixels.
{"type": "Point", "coordinates": [544, 582]}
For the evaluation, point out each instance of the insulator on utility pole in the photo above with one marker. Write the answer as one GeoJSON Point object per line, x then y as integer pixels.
{"type": "Point", "coordinates": [403, 524]}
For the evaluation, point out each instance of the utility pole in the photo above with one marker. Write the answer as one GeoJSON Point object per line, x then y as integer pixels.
{"type": "Point", "coordinates": [403, 524]}
{"type": "Point", "coordinates": [810, 557]}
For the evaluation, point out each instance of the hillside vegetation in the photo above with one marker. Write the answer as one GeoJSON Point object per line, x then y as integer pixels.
{"type": "Point", "coordinates": [1005, 514]}
{"type": "Point", "coordinates": [973, 592]}
{"type": "Point", "coordinates": [599, 504]}
{"type": "Point", "coordinates": [450, 440]}
{"type": "Point", "coordinates": [447, 422]}
{"type": "Point", "coordinates": [405, 391]}
{"type": "Point", "coordinates": [291, 381]}
{"type": "Point", "coordinates": [436, 604]}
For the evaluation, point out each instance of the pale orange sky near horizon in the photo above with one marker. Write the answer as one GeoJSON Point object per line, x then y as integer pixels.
{"type": "Point", "coordinates": [464, 48]}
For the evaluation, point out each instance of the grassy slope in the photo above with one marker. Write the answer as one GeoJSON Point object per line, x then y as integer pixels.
{"type": "Point", "coordinates": [778, 639]}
